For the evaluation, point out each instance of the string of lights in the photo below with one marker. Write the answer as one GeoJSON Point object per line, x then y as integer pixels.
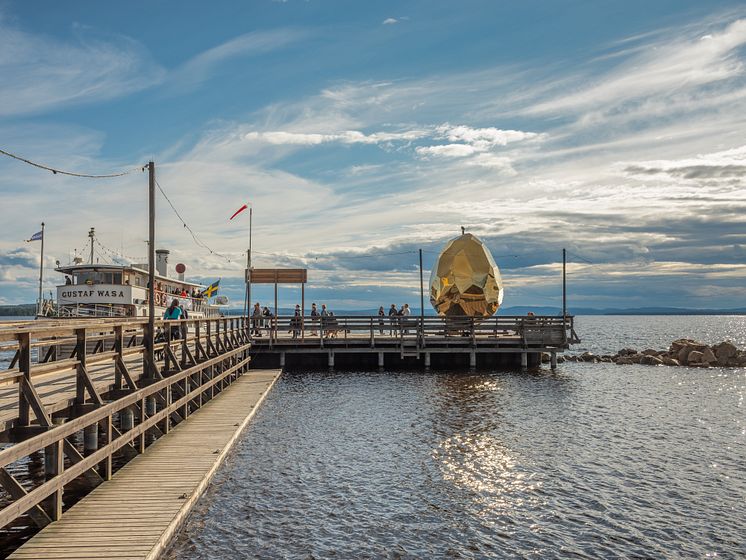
{"type": "Point", "coordinates": [56, 171]}
{"type": "Point", "coordinates": [195, 237]}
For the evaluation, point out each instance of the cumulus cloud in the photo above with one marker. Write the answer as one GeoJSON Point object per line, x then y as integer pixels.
{"type": "Point", "coordinates": [446, 150]}
{"type": "Point", "coordinates": [484, 137]}
{"type": "Point", "coordinates": [390, 21]}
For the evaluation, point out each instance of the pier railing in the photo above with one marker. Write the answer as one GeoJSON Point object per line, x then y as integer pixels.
{"type": "Point", "coordinates": [114, 398]}
{"type": "Point", "coordinates": [525, 330]}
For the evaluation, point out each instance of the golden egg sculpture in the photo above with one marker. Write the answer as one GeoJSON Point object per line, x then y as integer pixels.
{"type": "Point", "coordinates": [465, 280]}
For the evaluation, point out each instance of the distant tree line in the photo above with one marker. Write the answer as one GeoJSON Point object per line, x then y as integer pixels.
{"type": "Point", "coordinates": [25, 309]}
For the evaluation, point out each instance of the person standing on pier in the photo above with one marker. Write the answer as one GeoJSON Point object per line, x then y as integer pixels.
{"type": "Point", "coordinates": [256, 318]}
{"type": "Point", "coordinates": [314, 317]}
{"type": "Point", "coordinates": [324, 321]}
{"type": "Point", "coordinates": [405, 313]}
{"type": "Point", "coordinates": [295, 322]}
{"type": "Point", "coordinates": [392, 318]}
{"type": "Point", "coordinates": [381, 315]}
{"type": "Point", "coordinates": [173, 313]}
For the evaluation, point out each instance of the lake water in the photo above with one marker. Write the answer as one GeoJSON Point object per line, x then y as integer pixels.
{"type": "Point", "coordinates": [593, 460]}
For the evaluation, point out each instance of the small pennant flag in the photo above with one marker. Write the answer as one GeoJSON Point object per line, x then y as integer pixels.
{"type": "Point", "coordinates": [211, 290]}
{"type": "Point", "coordinates": [237, 212]}
{"type": "Point", "coordinates": [36, 237]}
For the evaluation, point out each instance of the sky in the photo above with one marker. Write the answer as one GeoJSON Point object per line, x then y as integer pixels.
{"type": "Point", "coordinates": [363, 132]}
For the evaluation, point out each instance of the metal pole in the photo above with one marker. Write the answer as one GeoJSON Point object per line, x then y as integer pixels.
{"type": "Point", "coordinates": [41, 271]}
{"type": "Point", "coordinates": [248, 263]}
{"type": "Point", "coordinates": [151, 270]}
{"type": "Point", "coordinates": [422, 299]}
{"type": "Point", "coordinates": [564, 282]}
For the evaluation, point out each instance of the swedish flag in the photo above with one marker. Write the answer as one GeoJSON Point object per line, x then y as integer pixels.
{"type": "Point", "coordinates": [211, 290]}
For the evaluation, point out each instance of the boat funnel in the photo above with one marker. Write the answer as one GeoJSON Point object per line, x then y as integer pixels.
{"type": "Point", "coordinates": [161, 261]}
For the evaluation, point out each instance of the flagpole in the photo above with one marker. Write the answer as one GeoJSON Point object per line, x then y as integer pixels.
{"type": "Point", "coordinates": [41, 272]}
{"type": "Point", "coordinates": [248, 266]}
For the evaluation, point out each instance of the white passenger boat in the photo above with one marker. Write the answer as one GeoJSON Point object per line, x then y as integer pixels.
{"type": "Point", "coordinates": [110, 290]}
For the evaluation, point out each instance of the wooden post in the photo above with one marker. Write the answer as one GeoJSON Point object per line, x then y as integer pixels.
{"type": "Point", "coordinates": [80, 355]}
{"type": "Point", "coordinates": [24, 365]}
{"type": "Point", "coordinates": [150, 366]}
{"type": "Point", "coordinates": [553, 361]}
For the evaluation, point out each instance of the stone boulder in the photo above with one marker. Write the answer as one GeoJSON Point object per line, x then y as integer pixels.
{"type": "Point", "coordinates": [626, 352]}
{"type": "Point", "coordinates": [708, 356]}
{"type": "Point", "coordinates": [648, 360]}
{"type": "Point", "coordinates": [725, 352]}
{"type": "Point", "coordinates": [694, 357]}
{"type": "Point", "coordinates": [624, 361]}
{"type": "Point", "coordinates": [684, 351]}
{"type": "Point", "coordinates": [677, 345]}
{"type": "Point", "coordinates": [669, 361]}
{"type": "Point", "coordinates": [650, 352]}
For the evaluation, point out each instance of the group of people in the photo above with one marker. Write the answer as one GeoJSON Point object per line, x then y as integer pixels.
{"type": "Point", "coordinates": [261, 318]}
{"type": "Point", "coordinates": [396, 317]}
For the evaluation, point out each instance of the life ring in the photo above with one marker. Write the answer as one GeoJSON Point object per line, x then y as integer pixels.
{"type": "Point", "coordinates": [159, 298]}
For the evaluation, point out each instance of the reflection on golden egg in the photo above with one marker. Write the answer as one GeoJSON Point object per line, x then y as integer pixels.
{"type": "Point", "coordinates": [465, 280]}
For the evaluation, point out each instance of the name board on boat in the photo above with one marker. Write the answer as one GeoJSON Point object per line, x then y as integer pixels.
{"type": "Point", "coordinates": [96, 293]}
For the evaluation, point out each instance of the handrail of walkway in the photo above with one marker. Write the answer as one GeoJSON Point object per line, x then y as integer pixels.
{"type": "Point", "coordinates": [214, 353]}
{"type": "Point", "coordinates": [525, 330]}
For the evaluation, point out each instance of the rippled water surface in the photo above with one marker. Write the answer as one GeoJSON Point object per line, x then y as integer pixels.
{"type": "Point", "coordinates": [595, 460]}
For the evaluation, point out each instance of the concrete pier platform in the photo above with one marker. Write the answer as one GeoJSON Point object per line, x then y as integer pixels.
{"type": "Point", "coordinates": [135, 515]}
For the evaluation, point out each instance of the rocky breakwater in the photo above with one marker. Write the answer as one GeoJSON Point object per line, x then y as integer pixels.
{"type": "Point", "coordinates": [682, 352]}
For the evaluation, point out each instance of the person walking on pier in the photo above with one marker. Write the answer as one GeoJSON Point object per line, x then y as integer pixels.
{"type": "Point", "coordinates": [393, 313]}
{"type": "Point", "coordinates": [381, 315]}
{"type": "Point", "coordinates": [173, 313]}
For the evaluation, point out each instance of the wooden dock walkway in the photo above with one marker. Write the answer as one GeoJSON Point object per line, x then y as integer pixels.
{"type": "Point", "coordinates": [135, 514]}
{"type": "Point", "coordinates": [88, 395]}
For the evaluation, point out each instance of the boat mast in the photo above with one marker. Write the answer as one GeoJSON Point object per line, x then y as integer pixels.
{"type": "Point", "coordinates": [92, 235]}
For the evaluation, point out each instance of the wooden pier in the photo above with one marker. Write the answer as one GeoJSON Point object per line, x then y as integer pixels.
{"type": "Point", "coordinates": [135, 515]}
{"type": "Point", "coordinates": [87, 395]}
{"type": "Point", "coordinates": [355, 342]}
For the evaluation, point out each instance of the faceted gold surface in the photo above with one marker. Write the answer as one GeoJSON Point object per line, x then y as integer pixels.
{"type": "Point", "coordinates": [465, 280]}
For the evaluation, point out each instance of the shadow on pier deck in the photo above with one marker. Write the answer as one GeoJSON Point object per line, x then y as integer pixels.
{"type": "Point", "coordinates": [353, 342]}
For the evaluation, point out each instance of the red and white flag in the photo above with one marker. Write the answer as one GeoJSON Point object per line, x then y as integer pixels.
{"type": "Point", "coordinates": [237, 212]}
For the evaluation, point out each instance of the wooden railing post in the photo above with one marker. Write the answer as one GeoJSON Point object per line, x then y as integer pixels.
{"type": "Point", "coordinates": [118, 346]}
{"type": "Point", "coordinates": [24, 365]}
{"type": "Point", "coordinates": [80, 354]}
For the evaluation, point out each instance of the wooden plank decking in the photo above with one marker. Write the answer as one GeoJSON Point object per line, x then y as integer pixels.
{"type": "Point", "coordinates": [136, 513]}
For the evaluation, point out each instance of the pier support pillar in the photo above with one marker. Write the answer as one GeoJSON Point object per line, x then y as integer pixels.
{"type": "Point", "coordinates": [150, 406]}
{"type": "Point", "coordinates": [553, 361]}
{"type": "Point", "coordinates": [524, 360]}
{"type": "Point", "coordinates": [90, 439]}
{"type": "Point", "coordinates": [282, 360]}
{"type": "Point", "coordinates": [331, 360]}
{"type": "Point", "coordinates": [126, 419]}
{"type": "Point", "coordinates": [427, 361]}
{"type": "Point", "coordinates": [380, 360]}
{"type": "Point", "coordinates": [473, 360]}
